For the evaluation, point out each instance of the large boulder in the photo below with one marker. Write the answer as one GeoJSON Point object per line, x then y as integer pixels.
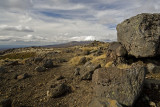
{"type": "Point", "coordinates": [140, 35]}
{"type": "Point", "coordinates": [122, 85]}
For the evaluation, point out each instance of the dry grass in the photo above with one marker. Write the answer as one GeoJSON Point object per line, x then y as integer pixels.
{"type": "Point", "coordinates": [75, 60]}
{"type": "Point", "coordinates": [21, 55]}
{"type": "Point", "coordinates": [123, 66]}
{"type": "Point", "coordinates": [99, 60]}
{"type": "Point", "coordinates": [88, 48]}
{"type": "Point", "coordinates": [109, 64]}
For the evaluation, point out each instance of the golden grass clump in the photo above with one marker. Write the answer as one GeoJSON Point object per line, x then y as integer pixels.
{"type": "Point", "coordinates": [123, 66]}
{"type": "Point", "coordinates": [109, 64]}
{"type": "Point", "coordinates": [21, 55]}
{"type": "Point", "coordinates": [75, 60]}
{"type": "Point", "coordinates": [99, 59]}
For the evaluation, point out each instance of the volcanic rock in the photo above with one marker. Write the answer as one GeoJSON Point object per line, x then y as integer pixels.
{"type": "Point", "coordinates": [140, 35]}
{"type": "Point", "coordinates": [123, 85]}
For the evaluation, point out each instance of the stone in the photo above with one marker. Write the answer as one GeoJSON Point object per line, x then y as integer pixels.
{"type": "Point", "coordinates": [86, 73]}
{"type": "Point", "coordinates": [152, 104]}
{"type": "Point", "coordinates": [57, 90]}
{"type": "Point", "coordinates": [76, 72]}
{"type": "Point", "coordinates": [2, 69]}
{"type": "Point", "coordinates": [103, 102]}
{"type": "Point", "coordinates": [140, 35]}
{"type": "Point", "coordinates": [82, 61]}
{"type": "Point", "coordinates": [22, 76]}
{"type": "Point", "coordinates": [37, 59]}
{"type": "Point", "coordinates": [123, 85]}
{"type": "Point", "coordinates": [121, 51]}
{"type": "Point", "coordinates": [86, 52]}
{"type": "Point", "coordinates": [59, 77]}
{"type": "Point", "coordinates": [48, 63]}
{"type": "Point", "coordinates": [40, 69]}
{"type": "Point", "coordinates": [13, 63]}
{"type": "Point", "coordinates": [5, 103]}
{"type": "Point", "coordinates": [152, 68]}
{"type": "Point", "coordinates": [114, 45]}
{"type": "Point", "coordinates": [152, 83]}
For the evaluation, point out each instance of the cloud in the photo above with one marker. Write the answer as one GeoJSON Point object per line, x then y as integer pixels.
{"type": "Point", "coordinates": [18, 28]}
{"type": "Point", "coordinates": [55, 21]}
{"type": "Point", "coordinates": [27, 38]}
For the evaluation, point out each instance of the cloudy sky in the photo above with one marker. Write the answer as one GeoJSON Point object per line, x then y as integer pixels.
{"type": "Point", "coordinates": [42, 22]}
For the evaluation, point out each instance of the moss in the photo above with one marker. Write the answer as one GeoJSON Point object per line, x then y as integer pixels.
{"type": "Point", "coordinates": [21, 55]}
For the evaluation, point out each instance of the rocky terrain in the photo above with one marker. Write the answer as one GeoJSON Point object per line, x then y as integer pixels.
{"type": "Point", "coordinates": [125, 73]}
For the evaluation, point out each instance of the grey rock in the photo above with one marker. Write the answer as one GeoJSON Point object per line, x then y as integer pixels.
{"type": "Point", "coordinates": [59, 77]}
{"type": "Point", "coordinates": [82, 61]}
{"type": "Point", "coordinates": [152, 68]}
{"type": "Point", "coordinates": [2, 70]}
{"type": "Point", "coordinates": [123, 85]}
{"type": "Point", "coordinates": [13, 63]}
{"type": "Point", "coordinates": [22, 76]}
{"type": "Point", "coordinates": [152, 83]}
{"type": "Point", "coordinates": [38, 59]}
{"type": "Point", "coordinates": [140, 35]}
{"type": "Point", "coordinates": [57, 90]}
{"type": "Point", "coordinates": [48, 63]}
{"type": "Point", "coordinates": [76, 72]}
{"type": "Point", "coordinates": [103, 102]}
{"type": "Point", "coordinates": [86, 73]}
{"type": "Point", "coordinates": [40, 69]}
{"type": "Point", "coordinates": [121, 51]}
{"type": "Point", "coordinates": [5, 102]}
{"type": "Point", "coordinates": [114, 45]}
{"type": "Point", "coordinates": [86, 52]}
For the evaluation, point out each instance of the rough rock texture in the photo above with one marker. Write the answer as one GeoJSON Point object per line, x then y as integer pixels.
{"type": "Point", "coordinates": [123, 85]}
{"type": "Point", "coordinates": [87, 71]}
{"type": "Point", "coordinates": [57, 90]}
{"type": "Point", "coordinates": [40, 69]}
{"type": "Point", "coordinates": [140, 35]}
{"type": "Point", "coordinates": [5, 103]}
{"type": "Point", "coordinates": [22, 76]}
{"type": "Point", "coordinates": [102, 102]}
{"type": "Point", "coordinates": [48, 63]}
{"type": "Point", "coordinates": [152, 68]}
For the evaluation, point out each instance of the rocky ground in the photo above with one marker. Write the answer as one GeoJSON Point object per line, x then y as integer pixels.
{"type": "Point", "coordinates": [56, 77]}
{"type": "Point", "coordinates": [125, 73]}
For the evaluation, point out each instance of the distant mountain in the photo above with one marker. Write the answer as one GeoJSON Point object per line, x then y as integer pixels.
{"type": "Point", "coordinates": [69, 44]}
{"type": "Point", "coordinates": [4, 47]}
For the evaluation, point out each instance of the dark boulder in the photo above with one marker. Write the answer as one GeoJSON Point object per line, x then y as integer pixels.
{"type": "Point", "coordinates": [87, 71]}
{"type": "Point", "coordinates": [82, 61]}
{"type": "Point", "coordinates": [47, 63]}
{"type": "Point", "coordinates": [140, 35]}
{"type": "Point", "coordinates": [57, 90]}
{"type": "Point", "coordinates": [5, 103]}
{"type": "Point", "coordinates": [22, 76]}
{"type": "Point", "coordinates": [40, 69]}
{"type": "Point", "coordinates": [123, 85]}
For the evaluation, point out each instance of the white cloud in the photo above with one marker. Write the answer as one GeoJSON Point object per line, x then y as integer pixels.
{"type": "Point", "coordinates": [19, 28]}
{"type": "Point", "coordinates": [51, 21]}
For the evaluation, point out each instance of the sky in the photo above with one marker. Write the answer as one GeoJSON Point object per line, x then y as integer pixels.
{"type": "Point", "coordinates": [44, 22]}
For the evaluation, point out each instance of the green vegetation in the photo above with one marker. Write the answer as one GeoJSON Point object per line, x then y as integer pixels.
{"type": "Point", "coordinates": [21, 55]}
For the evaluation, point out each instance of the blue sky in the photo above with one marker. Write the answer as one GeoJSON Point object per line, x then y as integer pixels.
{"type": "Point", "coordinates": [43, 22]}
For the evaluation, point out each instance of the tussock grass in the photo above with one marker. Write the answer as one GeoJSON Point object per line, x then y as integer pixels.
{"type": "Point", "coordinates": [75, 60]}
{"type": "Point", "coordinates": [99, 60]}
{"type": "Point", "coordinates": [109, 64]}
{"type": "Point", "coordinates": [21, 55]}
{"type": "Point", "coordinates": [123, 66]}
